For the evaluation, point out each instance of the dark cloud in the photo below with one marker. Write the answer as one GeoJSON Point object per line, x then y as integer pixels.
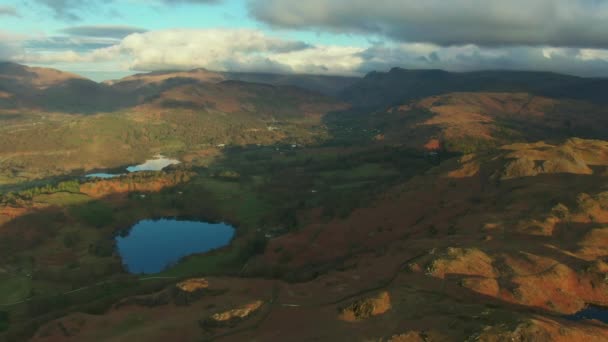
{"type": "Point", "coordinates": [289, 46]}
{"type": "Point", "coordinates": [574, 23]}
{"type": "Point", "coordinates": [79, 44]}
{"type": "Point", "coordinates": [106, 31]}
{"type": "Point", "coordinates": [8, 11]}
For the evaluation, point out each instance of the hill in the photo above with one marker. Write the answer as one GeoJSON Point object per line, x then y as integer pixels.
{"type": "Point", "coordinates": [385, 89]}
{"type": "Point", "coordinates": [431, 206]}
{"type": "Point", "coordinates": [469, 122]}
{"type": "Point", "coordinates": [328, 85]}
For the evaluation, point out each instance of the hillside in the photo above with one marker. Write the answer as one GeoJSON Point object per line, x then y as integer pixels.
{"type": "Point", "coordinates": [443, 254]}
{"type": "Point", "coordinates": [183, 120]}
{"type": "Point", "coordinates": [469, 122]}
{"type": "Point", "coordinates": [50, 90]}
{"type": "Point", "coordinates": [379, 90]}
{"type": "Point", "coordinates": [136, 81]}
{"type": "Point", "coordinates": [328, 85]}
{"type": "Point", "coordinates": [469, 214]}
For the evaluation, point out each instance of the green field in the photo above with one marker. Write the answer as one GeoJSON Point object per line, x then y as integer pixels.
{"type": "Point", "coordinates": [14, 288]}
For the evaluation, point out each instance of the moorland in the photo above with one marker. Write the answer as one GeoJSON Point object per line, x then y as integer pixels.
{"type": "Point", "coordinates": [408, 205]}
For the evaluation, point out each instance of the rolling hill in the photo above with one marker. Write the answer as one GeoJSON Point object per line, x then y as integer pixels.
{"type": "Point", "coordinates": [404, 206]}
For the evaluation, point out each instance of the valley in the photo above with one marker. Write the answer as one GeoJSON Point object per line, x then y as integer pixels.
{"type": "Point", "coordinates": [460, 212]}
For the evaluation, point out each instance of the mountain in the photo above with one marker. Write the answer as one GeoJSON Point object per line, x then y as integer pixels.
{"type": "Point", "coordinates": [50, 90]}
{"type": "Point", "coordinates": [177, 115]}
{"type": "Point", "coordinates": [468, 122]}
{"type": "Point", "coordinates": [416, 206]}
{"type": "Point", "coordinates": [328, 85]}
{"type": "Point", "coordinates": [21, 76]}
{"type": "Point", "coordinates": [385, 89]}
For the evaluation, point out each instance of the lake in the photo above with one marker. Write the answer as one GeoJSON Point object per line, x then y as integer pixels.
{"type": "Point", "coordinates": [157, 164]}
{"type": "Point", "coordinates": [153, 245]}
{"type": "Point", "coordinates": [590, 312]}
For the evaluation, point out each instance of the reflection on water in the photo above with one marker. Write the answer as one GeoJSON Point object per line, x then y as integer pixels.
{"type": "Point", "coordinates": [157, 164]}
{"type": "Point", "coordinates": [153, 245]}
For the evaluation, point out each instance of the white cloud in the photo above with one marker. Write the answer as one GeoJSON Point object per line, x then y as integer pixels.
{"type": "Point", "coordinates": [322, 60]}
{"type": "Point", "coordinates": [215, 49]}
{"type": "Point", "coordinates": [254, 50]}
{"type": "Point", "coordinates": [593, 54]}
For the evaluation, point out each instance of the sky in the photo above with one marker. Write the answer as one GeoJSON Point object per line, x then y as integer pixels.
{"type": "Point", "coordinates": [106, 39]}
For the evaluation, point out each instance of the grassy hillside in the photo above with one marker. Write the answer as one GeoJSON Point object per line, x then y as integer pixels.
{"type": "Point", "coordinates": [451, 216]}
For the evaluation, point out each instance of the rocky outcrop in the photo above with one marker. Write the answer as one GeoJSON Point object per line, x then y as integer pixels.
{"type": "Point", "coordinates": [463, 261]}
{"type": "Point", "coordinates": [189, 291]}
{"type": "Point", "coordinates": [542, 330]}
{"type": "Point", "coordinates": [232, 317]}
{"type": "Point", "coordinates": [575, 156]}
{"type": "Point", "coordinates": [366, 308]}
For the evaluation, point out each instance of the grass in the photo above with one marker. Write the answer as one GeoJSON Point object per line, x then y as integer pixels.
{"type": "Point", "coordinates": [96, 214]}
{"type": "Point", "coordinates": [364, 171]}
{"type": "Point", "coordinates": [273, 194]}
{"type": "Point", "coordinates": [233, 199]}
{"type": "Point", "coordinates": [219, 263]}
{"type": "Point", "coordinates": [63, 199]}
{"type": "Point", "coordinates": [14, 288]}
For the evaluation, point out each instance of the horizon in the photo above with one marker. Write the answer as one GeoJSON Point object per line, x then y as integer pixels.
{"type": "Point", "coordinates": [90, 75]}
{"type": "Point", "coordinates": [105, 40]}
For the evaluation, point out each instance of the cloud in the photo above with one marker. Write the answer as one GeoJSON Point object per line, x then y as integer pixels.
{"type": "Point", "coordinates": [8, 11]}
{"type": "Point", "coordinates": [215, 49]}
{"type": "Point", "coordinates": [10, 46]}
{"type": "Point", "coordinates": [559, 23]}
{"type": "Point", "coordinates": [107, 31]}
{"type": "Point", "coordinates": [57, 43]}
{"type": "Point", "coordinates": [254, 50]}
{"type": "Point", "coordinates": [218, 49]}
{"type": "Point", "coordinates": [70, 9]}
{"type": "Point", "coordinates": [583, 62]}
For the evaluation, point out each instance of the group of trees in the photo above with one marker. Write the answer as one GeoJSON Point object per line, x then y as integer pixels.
{"type": "Point", "coordinates": [16, 198]}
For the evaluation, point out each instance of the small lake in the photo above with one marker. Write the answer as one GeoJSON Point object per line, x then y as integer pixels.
{"type": "Point", "coordinates": [590, 312]}
{"type": "Point", "coordinates": [157, 164]}
{"type": "Point", "coordinates": [102, 175]}
{"type": "Point", "coordinates": [153, 245]}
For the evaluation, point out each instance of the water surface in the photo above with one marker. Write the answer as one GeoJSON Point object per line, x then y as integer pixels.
{"type": "Point", "coordinates": [102, 175]}
{"type": "Point", "coordinates": [157, 164]}
{"type": "Point", "coordinates": [153, 245]}
{"type": "Point", "coordinates": [591, 312]}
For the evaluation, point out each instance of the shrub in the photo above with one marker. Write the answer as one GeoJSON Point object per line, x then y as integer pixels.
{"type": "Point", "coordinates": [96, 214]}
